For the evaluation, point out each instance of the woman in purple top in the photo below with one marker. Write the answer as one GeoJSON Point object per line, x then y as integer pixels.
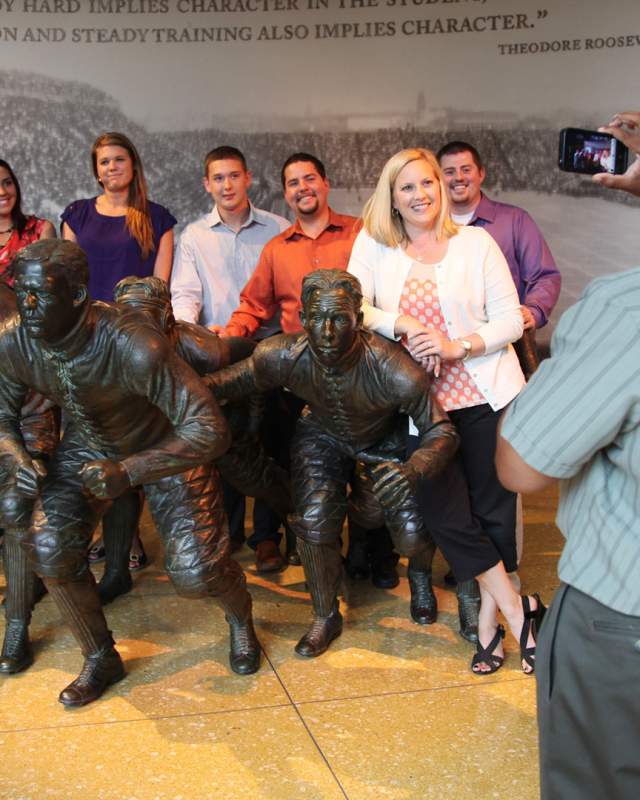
{"type": "Point", "coordinates": [122, 232]}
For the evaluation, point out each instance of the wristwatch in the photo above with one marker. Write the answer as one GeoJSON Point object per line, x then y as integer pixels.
{"type": "Point", "coordinates": [466, 346]}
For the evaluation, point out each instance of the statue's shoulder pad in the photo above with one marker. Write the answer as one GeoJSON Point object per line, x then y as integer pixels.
{"type": "Point", "coordinates": [283, 345]}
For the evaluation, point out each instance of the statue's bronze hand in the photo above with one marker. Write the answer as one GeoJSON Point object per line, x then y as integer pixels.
{"type": "Point", "coordinates": [104, 478]}
{"type": "Point", "coordinates": [29, 477]}
{"type": "Point", "coordinates": [393, 482]}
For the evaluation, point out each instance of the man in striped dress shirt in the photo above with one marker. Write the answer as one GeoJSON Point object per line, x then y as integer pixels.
{"type": "Point", "coordinates": [579, 420]}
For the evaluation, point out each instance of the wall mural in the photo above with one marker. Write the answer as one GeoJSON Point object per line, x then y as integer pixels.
{"type": "Point", "coordinates": [349, 80]}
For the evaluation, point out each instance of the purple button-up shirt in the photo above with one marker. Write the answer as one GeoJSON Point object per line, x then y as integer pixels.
{"type": "Point", "coordinates": [533, 269]}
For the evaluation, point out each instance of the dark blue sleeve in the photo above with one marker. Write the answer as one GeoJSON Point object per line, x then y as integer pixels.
{"type": "Point", "coordinates": [75, 214]}
{"type": "Point", "coordinates": [161, 219]}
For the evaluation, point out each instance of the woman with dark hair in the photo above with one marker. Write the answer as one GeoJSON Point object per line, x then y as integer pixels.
{"type": "Point", "coordinates": [123, 233]}
{"type": "Point", "coordinates": [17, 230]}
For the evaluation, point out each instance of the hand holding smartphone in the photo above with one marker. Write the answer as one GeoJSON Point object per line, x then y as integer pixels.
{"type": "Point", "coordinates": [591, 152]}
{"type": "Point", "coordinates": [625, 127]}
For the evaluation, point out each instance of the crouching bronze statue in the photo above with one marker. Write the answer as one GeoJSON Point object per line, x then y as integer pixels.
{"type": "Point", "coordinates": [245, 465]}
{"type": "Point", "coordinates": [359, 389]}
{"type": "Point", "coordinates": [138, 415]}
{"type": "Point", "coordinates": [40, 432]}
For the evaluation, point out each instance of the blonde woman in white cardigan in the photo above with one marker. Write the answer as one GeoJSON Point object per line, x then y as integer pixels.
{"type": "Point", "coordinates": [448, 294]}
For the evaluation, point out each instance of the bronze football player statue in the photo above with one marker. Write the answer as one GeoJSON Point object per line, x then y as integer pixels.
{"type": "Point", "coordinates": [359, 388]}
{"type": "Point", "coordinates": [137, 415]}
{"type": "Point", "coordinates": [245, 465]}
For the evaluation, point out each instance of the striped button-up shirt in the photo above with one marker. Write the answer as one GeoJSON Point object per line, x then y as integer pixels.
{"type": "Point", "coordinates": [579, 419]}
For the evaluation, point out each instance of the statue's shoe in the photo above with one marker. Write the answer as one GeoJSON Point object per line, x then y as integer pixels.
{"type": "Point", "coordinates": [468, 611]}
{"type": "Point", "coordinates": [98, 673]}
{"type": "Point", "coordinates": [322, 632]}
{"type": "Point", "coordinates": [424, 604]}
{"type": "Point", "coordinates": [16, 650]}
{"type": "Point", "coordinates": [112, 585]}
{"type": "Point", "coordinates": [244, 654]}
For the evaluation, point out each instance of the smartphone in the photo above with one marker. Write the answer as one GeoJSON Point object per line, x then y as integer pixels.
{"type": "Point", "coordinates": [590, 152]}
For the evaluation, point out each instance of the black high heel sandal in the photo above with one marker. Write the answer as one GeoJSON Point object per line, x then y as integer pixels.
{"type": "Point", "coordinates": [532, 622]}
{"type": "Point", "coordinates": [485, 655]}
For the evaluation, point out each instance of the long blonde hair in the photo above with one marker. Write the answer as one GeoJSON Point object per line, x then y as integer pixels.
{"type": "Point", "coordinates": [138, 216]}
{"type": "Point", "coordinates": [378, 216]}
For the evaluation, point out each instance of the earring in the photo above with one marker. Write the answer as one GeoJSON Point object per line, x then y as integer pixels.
{"type": "Point", "coordinates": [395, 212]}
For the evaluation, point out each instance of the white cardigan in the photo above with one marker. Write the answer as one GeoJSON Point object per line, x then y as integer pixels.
{"type": "Point", "coordinates": [477, 295]}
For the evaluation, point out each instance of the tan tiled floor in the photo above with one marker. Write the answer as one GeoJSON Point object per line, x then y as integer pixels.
{"type": "Point", "coordinates": [391, 711]}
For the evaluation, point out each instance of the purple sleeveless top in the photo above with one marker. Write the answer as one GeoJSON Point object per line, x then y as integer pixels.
{"type": "Point", "coordinates": [112, 252]}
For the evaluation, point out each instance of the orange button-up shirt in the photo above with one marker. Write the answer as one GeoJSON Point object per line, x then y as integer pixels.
{"type": "Point", "coordinates": [276, 283]}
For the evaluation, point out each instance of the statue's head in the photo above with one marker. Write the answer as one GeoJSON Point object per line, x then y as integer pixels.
{"type": "Point", "coordinates": [150, 295]}
{"type": "Point", "coordinates": [331, 315]}
{"type": "Point", "coordinates": [51, 278]}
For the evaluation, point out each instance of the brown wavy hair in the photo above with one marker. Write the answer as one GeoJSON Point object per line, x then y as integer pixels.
{"type": "Point", "coordinates": [138, 216]}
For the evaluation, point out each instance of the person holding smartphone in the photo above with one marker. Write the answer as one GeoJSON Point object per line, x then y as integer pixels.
{"type": "Point", "coordinates": [625, 126]}
{"type": "Point", "coordinates": [578, 420]}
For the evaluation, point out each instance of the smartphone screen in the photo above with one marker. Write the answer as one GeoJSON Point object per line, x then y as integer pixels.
{"type": "Point", "coordinates": [590, 152]}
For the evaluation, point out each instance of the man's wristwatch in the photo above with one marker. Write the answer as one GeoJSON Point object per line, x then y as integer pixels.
{"type": "Point", "coordinates": [466, 346]}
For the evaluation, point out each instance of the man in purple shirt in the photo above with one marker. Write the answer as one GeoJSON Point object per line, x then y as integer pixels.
{"type": "Point", "coordinates": [534, 273]}
{"type": "Point", "coordinates": [533, 269]}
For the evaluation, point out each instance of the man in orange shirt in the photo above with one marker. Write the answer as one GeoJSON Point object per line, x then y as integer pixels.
{"type": "Point", "coordinates": [319, 239]}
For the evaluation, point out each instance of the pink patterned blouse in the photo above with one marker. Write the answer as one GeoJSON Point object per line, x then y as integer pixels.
{"type": "Point", "coordinates": [454, 387]}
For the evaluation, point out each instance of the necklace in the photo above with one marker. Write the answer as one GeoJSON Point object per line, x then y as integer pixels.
{"type": "Point", "coordinates": [7, 231]}
{"type": "Point", "coordinates": [428, 251]}
{"type": "Point", "coordinates": [422, 247]}
{"type": "Point", "coordinates": [418, 255]}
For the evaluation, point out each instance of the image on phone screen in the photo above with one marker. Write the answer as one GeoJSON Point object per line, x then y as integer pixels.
{"type": "Point", "coordinates": [590, 152]}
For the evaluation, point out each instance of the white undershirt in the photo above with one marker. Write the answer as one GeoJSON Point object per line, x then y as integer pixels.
{"type": "Point", "coordinates": [463, 219]}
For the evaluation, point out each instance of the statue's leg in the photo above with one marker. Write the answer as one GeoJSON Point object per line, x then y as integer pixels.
{"type": "Point", "coordinates": [79, 604]}
{"type": "Point", "coordinates": [424, 604]}
{"type": "Point", "coordinates": [424, 607]}
{"type": "Point", "coordinates": [283, 408]}
{"type": "Point", "coordinates": [248, 469]}
{"type": "Point", "coordinates": [21, 580]}
{"type": "Point", "coordinates": [445, 507]}
{"type": "Point", "coordinates": [320, 475]}
{"type": "Point", "coordinates": [189, 514]}
{"type": "Point", "coordinates": [256, 464]}
{"type": "Point", "coordinates": [291, 546]}
{"type": "Point", "coordinates": [468, 594]}
{"type": "Point", "coordinates": [384, 559]}
{"type": "Point", "coordinates": [251, 471]}
{"type": "Point", "coordinates": [323, 570]}
{"type": "Point", "coordinates": [40, 434]}
{"type": "Point", "coordinates": [119, 526]}
{"type": "Point", "coordinates": [371, 549]}
{"type": "Point", "coordinates": [364, 514]}
{"type": "Point", "coordinates": [410, 538]}
{"type": "Point", "coordinates": [357, 562]}
{"type": "Point", "coordinates": [64, 519]}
